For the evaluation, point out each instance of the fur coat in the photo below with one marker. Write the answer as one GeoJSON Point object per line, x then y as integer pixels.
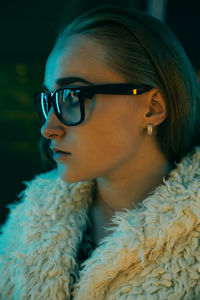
{"type": "Point", "coordinates": [152, 254]}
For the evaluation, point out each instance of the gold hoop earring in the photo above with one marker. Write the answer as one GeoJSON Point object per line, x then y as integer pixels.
{"type": "Point", "coordinates": [150, 129]}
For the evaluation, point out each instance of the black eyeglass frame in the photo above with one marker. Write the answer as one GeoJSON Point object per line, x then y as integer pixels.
{"type": "Point", "coordinates": [88, 92]}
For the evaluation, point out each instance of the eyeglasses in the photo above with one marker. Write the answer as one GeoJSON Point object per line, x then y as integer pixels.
{"type": "Point", "coordinates": [71, 103]}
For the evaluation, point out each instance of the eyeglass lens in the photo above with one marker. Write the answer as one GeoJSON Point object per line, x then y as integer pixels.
{"type": "Point", "coordinates": [66, 104]}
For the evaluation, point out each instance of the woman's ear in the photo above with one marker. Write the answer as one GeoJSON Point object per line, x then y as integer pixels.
{"type": "Point", "coordinates": [155, 106]}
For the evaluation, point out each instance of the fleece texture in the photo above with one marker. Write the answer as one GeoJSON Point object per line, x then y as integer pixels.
{"type": "Point", "coordinates": [153, 252]}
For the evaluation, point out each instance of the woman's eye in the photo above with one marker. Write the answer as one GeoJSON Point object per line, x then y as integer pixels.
{"type": "Point", "coordinates": [71, 99]}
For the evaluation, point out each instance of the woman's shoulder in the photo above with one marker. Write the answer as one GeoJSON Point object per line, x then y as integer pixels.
{"type": "Point", "coordinates": [44, 185]}
{"type": "Point", "coordinates": [43, 195]}
{"type": "Point", "coordinates": [29, 199]}
{"type": "Point", "coordinates": [43, 180]}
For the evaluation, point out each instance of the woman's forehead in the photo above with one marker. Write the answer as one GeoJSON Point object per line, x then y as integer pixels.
{"type": "Point", "coordinates": [81, 57]}
{"type": "Point", "coordinates": [80, 48]}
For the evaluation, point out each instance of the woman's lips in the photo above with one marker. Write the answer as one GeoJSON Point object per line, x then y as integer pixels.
{"type": "Point", "coordinates": [63, 152]}
{"type": "Point", "coordinates": [56, 150]}
{"type": "Point", "coordinates": [61, 155]}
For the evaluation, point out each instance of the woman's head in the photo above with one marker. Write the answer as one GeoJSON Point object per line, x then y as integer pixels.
{"type": "Point", "coordinates": [114, 45]}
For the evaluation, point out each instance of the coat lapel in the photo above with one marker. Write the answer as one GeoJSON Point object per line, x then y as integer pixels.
{"type": "Point", "coordinates": [55, 216]}
{"type": "Point", "coordinates": [153, 232]}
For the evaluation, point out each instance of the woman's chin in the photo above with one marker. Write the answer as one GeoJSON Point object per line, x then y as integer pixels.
{"type": "Point", "coordinates": [68, 175]}
{"type": "Point", "coordinates": [65, 175]}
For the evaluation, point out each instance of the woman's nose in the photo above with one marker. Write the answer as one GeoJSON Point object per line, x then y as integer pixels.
{"type": "Point", "coordinates": [52, 128]}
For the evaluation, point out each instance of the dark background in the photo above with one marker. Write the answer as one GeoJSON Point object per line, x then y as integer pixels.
{"type": "Point", "coordinates": [28, 32]}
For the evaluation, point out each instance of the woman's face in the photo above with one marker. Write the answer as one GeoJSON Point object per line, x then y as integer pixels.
{"type": "Point", "coordinates": [110, 137]}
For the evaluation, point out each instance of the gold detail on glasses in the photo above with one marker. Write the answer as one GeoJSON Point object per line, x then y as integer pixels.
{"type": "Point", "coordinates": [134, 91]}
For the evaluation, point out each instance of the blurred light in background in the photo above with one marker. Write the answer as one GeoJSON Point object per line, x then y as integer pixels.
{"type": "Point", "coordinates": [157, 8]}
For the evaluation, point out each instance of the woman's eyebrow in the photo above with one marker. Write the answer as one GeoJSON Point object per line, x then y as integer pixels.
{"type": "Point", "coordinates": [66, 81]}
{"type": "Point", "coordinates": [72, 79]}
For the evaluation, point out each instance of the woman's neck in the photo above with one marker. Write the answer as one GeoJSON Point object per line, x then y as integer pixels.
{"type": "Point", "coordinates": [102, 210]}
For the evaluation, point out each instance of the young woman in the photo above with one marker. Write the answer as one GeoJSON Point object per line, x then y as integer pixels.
{"type": "Point", "coordinates": [119, 218]}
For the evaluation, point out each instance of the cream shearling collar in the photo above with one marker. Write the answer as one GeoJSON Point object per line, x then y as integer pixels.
{"type": "Point", "coordinates": [139, 256]}
{"type": "Point", "coordinates": [148, 235]}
